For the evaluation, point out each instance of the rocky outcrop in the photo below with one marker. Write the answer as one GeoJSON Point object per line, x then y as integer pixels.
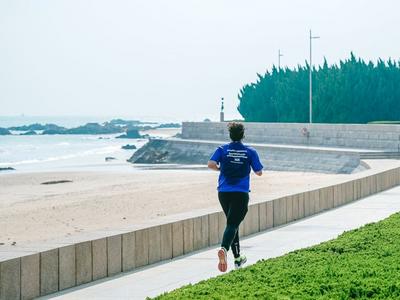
{"type": "Point", "coordinates": [160, 151]}
{"type": "Point", "coordinates": [130, 134]}
{"type": "Point", "coordinates": [30, 132]}
{"type": "Point", "coordinates": [128, 147]}
{"type": "Point", "coordinates": [4, 131]}
{"type": "Point", "coordinates": [7, 169]}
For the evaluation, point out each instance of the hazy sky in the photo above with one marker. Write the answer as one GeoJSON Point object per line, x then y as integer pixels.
{"type": "Point", "coordinates": [171, 59]}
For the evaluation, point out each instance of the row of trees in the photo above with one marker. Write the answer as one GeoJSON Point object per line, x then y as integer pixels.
{"type": "Point", "coordinates": [352, 91]}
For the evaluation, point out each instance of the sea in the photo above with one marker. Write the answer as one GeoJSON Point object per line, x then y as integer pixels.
{"type": "Point", "coordinates": [39, 153]}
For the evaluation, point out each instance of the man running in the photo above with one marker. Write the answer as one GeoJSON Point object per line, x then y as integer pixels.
{"type": "Point", "coordinates": [234, 161]}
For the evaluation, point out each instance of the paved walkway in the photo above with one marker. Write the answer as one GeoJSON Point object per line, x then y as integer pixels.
{"type": "Point", "coordinates": [154, 280]}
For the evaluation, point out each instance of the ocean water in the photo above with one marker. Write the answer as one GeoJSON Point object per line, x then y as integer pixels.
{"type": "Point", "coordinates": [62, 152]}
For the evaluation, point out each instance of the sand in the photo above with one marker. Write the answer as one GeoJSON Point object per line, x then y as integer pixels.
{"type": "Point", "coordinates": [31, 211]}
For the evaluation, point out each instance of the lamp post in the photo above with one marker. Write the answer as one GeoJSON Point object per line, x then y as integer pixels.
{"type": "Point", "coordinates": [221, 114]}
{"type": "Point", "coordinates": [279, 59]}
{"type": "Point", "coordinates": [311, 38]}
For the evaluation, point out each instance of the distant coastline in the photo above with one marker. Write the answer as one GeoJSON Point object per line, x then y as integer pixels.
{"type": "Point", "coordinates": [130, 128]}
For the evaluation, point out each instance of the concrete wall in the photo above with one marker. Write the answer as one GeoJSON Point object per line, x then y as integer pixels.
{"type": "Point", "coordinates": [26, 273]}
{"type": "Point", "coordinates": [381, 137]}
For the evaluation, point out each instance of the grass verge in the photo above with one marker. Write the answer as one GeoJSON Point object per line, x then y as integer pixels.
{"type": "Point", "coordinates": [359, 264]}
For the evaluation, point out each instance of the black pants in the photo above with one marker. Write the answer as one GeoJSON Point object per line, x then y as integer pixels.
{"type": "Point", "coordinates": [235, 208]}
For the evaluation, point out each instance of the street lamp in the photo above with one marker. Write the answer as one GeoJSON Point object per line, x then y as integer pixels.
{"type": "Point", "coordinates": [311, 38]}
{"type": "Point", "coordinates": [279, 59]}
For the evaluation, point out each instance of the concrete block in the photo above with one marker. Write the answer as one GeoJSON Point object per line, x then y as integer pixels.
{"type": "Point", "coordinates": [67, 271]}
{"type": "Point", "coordinates": [316, 201]}
{"type": "Point", "coordinates": [221, 225]}
{"type": "Point", "coordinates": [295, 206]}
{"type": "Point", "coordinates": [99, 259]}
{"type": "Point", "coordinates": [301, 205]}
{"type": "Point", "coordinates": [289, 209]}
{"type": "Point", "coordinates": [329, 200]}
{"type": "Point", "coordinates": [262, 215]}
{"type": "Point", "coordinates": [83, 256]}
{"type": "Point", "coordinates": [177, 238]}
{"type": "Point", "coordinates": [373, 188]}
{"type": "Point", "coordinates": [10, 276]}
{"type": "Point", "coordinates": [154, 244]}
{"type": "Point", "coordinates": [188, 235]}
{"type": "Point", "coordinates": [166, 241]}
{"type": "Point", "coordinates": [49, 272]}
{"type": "Point", "coordinates": [30, 276]}
{"type": "Point", "coordinates": [205, 232]}
{"type": "Point", "coordinates": [279, 211]}
{"type": "Point", "coordinates": [270, 214]}
{"type": "Point", "coordinates": [251, 222]}
{"type": "Point", "coordinates": [128, 251]}
{"type": "Point", "coordinates": [213, 228]}
{"type": "Point", "coordinates": [197, 233]}
{"type": "Point", "coordinates": [357, 189]}
{"type": "Point", "coordinates": [308, 204]}
{"type": "Point", "coordinates": [337, 195]}
{"type": "Point", "coordinates": [114, 255]}
{"type": "Point", "coordinates": [141, 247]}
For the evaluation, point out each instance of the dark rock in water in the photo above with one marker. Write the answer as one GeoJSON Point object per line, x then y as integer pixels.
{"type": "Point", "coordinates": [95, 128]}
{"type": "Point", "coordinates": [130, 134]}
{"type": "Point", "coordinates": [37, 126]}
{"type": "Point", "coordinates": [30, 132]}
{"type": "Point", "coordinates": [170, 125]}
{"type": "Point", "coordinates": [4, 131]}
{"type": "Point", "coordinates": [109, 158]}
{"type": "Point", "coordinates": [128, 147]}
{"type": "Point", "coordinates": [7, 169]}
{"type": "Point", "coordinates": [54, 131]}
{"type": "Point", "coordinates": [56, 181]}
{"type": "Point", "coordinates": [158, 151]}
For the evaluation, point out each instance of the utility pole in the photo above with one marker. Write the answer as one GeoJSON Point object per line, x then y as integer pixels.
{"type": "Point", "coordinates": [311, 38]}
{"type": "Point", "coordinates": [279, 59]}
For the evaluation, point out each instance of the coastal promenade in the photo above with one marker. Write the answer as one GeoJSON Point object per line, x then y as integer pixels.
{"type": "Point", "coordinates": [166, 276]}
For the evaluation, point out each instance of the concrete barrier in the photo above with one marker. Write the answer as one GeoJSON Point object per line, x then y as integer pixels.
{"type": "Point", "coordinates": [26, 273]}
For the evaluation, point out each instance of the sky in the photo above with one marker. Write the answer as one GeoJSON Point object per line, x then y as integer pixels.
{"type": "Point", "coordinates": [171, 60]}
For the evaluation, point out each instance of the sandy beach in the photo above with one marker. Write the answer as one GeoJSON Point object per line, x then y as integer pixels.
{"type": "Point", "coordinates": [31, 211]}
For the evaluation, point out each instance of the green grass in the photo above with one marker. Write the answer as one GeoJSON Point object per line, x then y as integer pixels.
{"type": "Point", "coordinates": [359, 264]}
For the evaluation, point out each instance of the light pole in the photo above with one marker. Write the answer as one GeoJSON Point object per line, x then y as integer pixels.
{"type": "Point", "coordinates": [279, 59]}
{"type": "Point", "coordinates": [311, 38]}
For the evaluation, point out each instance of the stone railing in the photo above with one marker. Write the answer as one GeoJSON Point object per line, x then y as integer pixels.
{"type": "Point", "coordinates": [28, 272]}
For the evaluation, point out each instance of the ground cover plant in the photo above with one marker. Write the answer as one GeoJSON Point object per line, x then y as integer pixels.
{"type": "Point", "coordinates": [359, 264]}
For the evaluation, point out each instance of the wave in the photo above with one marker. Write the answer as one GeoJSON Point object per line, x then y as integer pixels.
{"type": "Point", "coordinates": [97, 151]}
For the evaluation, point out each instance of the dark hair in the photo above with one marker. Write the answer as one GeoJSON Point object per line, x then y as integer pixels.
{"type": "Point", "coordinates": [236, 131]}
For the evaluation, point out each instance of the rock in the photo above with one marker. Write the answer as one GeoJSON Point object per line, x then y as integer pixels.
{"type": "Point", "coordinates": [109, 158]}
{"type": "Point", "coordinates": [128, 147]}
{"type": "Point", "coordinates": [37, 126]}
{"type": "Point", "coordinates": [95, 128]}
{"type": "Point", "coordinates": [159, 151]}
{"type": "Point", "coordinates": [130, 134]}
{"type": "Point", "coordinates": [7, 169]}
{"type": "Point", "coordinates": [170, 125]}
{"type": "Point", "coordinates": [56, 181]}
{"type": "Point", "coordinates": [4, 131]}
{"type": "Point", "coordinates": [30, 132]}
{"type": "Point", "coordinates": [53, 131]}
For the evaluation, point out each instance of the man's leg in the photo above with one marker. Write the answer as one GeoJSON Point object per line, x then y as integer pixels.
{"type": "Point", "coordinates": [238, 203]}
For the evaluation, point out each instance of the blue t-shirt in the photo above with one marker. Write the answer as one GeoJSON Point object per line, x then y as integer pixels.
{"type": "Point", "coordinates": [236, 161]}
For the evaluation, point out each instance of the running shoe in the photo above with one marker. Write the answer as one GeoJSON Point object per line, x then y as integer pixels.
{"type": "Point", "coordinates": [223, 262]}
{"type": "Point", "coordinates": [240, 261]}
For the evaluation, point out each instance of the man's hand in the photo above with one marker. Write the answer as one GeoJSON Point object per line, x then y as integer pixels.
{"type": "Point", "coordinates": [213, 165]}
{"type": "Point", "coordinates": [259, 173]}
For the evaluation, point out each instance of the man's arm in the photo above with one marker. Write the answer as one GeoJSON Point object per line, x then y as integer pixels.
{"type": "Point", "coordinates": [213, 165]}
